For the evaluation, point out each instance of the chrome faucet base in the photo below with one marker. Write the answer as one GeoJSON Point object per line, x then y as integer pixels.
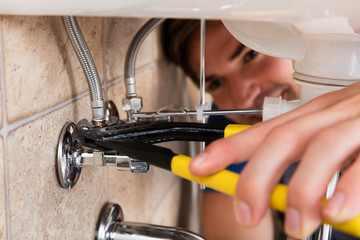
{"type": "Point", "coordinates": [72, 156]}
{"type": "Point", "coordinates": [112, 226]}
{"type": "Point", "coordinates": [111, 213]}
{"type": "Point", "coordinates": [68, 150]}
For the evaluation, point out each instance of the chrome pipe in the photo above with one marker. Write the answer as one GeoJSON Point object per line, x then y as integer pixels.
{"type": "Point", "coordinates": [202, 61]}
{"type": "Point", "coordinates": [112, 227]}
{"type": "Point", "coordinates": [194, 113]}
{"type": "Point", "coordinates": [202, 73]}
{"type": "Point", "coordinates": [129, 230]}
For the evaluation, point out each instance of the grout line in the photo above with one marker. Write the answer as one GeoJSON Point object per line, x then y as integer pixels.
{"type": "Point", "coordinates": [116, 81]}
{"type": "Point", "coordinates": [4, 136]}
{"type": "Point", "coordinates": [15, 125]}
{"type": "Point", "coordinates": [142, 69]}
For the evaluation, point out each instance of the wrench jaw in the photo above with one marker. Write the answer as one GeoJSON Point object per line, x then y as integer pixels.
{"type": "Point", "coordinates": [148, 132]}
{"type": "Point", "coordinates": [128, 146]}
{"type": "Point", "coordinates": [77, 148]}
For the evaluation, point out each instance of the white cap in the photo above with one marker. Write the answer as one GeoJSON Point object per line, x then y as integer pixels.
{"type": "Point", "coordinates": [274, 107]}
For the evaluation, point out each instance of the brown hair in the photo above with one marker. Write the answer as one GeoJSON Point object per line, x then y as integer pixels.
{"type": "Point", "coordinates": [175, 38]}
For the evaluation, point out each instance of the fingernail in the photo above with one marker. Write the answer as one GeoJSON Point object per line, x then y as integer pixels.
{"type": "Point", "coordinates": [335, 204]}
{"type": "Point", "coordinates": [243, 213]}
{"type": "Point", "coordinates": [292, 221]}
{"type": "Point", "coordinates": [199, 159]}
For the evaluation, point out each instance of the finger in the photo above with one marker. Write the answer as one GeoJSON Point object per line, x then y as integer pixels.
{"type": "Point", "coordinates": [344, 204]}
{"type": "Point", "coordinates": [237, 148]}
{"type": "Point", "coordinates": [281, 147]}
{"type": "Point", "coordinates": [326, 153]}
{"type": "Point", "coordinates": [219, 154]}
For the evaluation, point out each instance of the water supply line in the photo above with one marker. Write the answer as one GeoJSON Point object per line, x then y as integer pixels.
{"type": "Point", "coordinates": [87, 63]}
{"type": "Point", "coordinates": [130, 59]}
{"type": "Point", "coordinates": [132, 103]}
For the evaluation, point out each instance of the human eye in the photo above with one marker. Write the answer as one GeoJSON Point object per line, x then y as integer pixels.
{"type": "Point", "coordinates": [214, 84]}
{"type": "Point", "coordinates": [250, 55]}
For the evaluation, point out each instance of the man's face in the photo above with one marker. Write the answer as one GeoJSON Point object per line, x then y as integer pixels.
{"type": "Point", "coordinates": [238, 77]}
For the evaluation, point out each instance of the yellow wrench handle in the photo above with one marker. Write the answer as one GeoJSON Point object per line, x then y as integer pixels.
{"type": "Point", "coordinates": [232, 129]}
{"type": "Point", "coordinates": [225, 181]}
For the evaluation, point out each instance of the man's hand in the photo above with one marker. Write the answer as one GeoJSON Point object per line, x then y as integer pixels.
{"type": "Point", "coordinates": [324, 135]}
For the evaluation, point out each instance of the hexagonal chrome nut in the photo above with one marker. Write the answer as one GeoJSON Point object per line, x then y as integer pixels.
{"type": "Point", "coordinates": [134, 104]}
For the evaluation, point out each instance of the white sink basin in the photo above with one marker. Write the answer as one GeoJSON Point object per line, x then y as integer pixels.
{"type": "Point", "coordinates": [284, 10]}
{"type": "Point", "coordinates": [302, 30]}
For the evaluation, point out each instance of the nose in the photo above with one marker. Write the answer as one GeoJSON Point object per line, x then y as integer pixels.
{"type": "Point", "coordinates": [244, 92]}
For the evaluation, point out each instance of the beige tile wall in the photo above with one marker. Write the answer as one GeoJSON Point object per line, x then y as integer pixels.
{"type": "Point", "coordinates": [2, 193]}
{"type": "Point", "coordinates": [118, 35]}
{"type": "Point", "coordinates": [40, 67]}
{"type": "Point", "coordinates": [38, 206]}
{"type": "Point", "coordinates": [42, 87]}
